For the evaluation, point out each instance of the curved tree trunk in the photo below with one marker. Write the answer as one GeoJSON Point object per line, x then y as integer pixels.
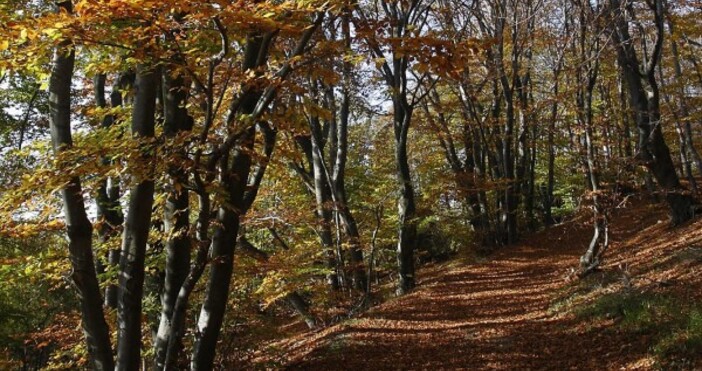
{"type": "Point", "coordinates": [197, 268]}
{"type": "Point", "coordinates": [358, 272]}
{"type": "Point", "coordinates": [407, 235]}
{"type": "Point", "coordinates": [233, 177]}
{"type": "Point", "coordinates": [79, 228]}
{"type": "Point", "coordinates": [233, 172]}
{"type": "Point", "coordinates": [653, 151]}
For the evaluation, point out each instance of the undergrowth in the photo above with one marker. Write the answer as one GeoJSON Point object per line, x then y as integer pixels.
{"type": "Point", "coordinates": [673, 324]}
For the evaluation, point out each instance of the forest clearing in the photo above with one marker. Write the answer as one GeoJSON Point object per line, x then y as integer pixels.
{"type": "Point", "coordinates": [338, 184]}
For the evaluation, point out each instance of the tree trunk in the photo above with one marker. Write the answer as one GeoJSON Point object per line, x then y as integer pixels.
{"type": "Point", "coordinates": [407, 235]}
{"type": "Point", "coordinates": [197, 268]}
{"type": "Point", "coordinates": [511, 198]}
{"type": "Point", "coordinates": [112, 191]}
{"type": "Point", "coordinates": [653, 151]}
{"type": "Point", "coordinates": [107, 200]}
{"type": "Point", "coordinates": [358, 273]}
{"type": "Point", "coordinates": [79, 228]}
{"type": "Point", "coordinates": [212, 313]}
{"type": "Point", "coordinates": [600, 239]}
{"type": "Point", "coordinates": [136, 229]}
{"type": "Point", "coordinates": [176, 218]}
{"type": "Point", "coordinates": [685, 110]}
{"type": "Point", "coordinates": [322, 195]}
{"type": "Point", "coordinates": [548, 198]}
{"type": "Point", "coordinates": [234, 177]}
{"type": "Point", "coordinates": [683, 139]}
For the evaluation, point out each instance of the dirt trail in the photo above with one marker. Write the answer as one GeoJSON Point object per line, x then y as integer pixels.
{"type": "Point", "coordinates": [493, 315]}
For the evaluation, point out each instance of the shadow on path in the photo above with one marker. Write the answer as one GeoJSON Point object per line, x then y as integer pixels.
{"type": "Point", "coordinates": [493, 315]}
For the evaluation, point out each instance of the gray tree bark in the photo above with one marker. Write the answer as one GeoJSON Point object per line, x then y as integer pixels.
{"type": "Point", "coordinates": [233, 175]}
{"type": "Point", "coordinates": [404, 100]}
{"type": "Point", "coordinates": [79, 228]}
{"type": "Point", "coordinates": [107, 199]}
{"type": "Point", "coordinates": [176, 218]}
{"type": "Point", "coordinates": [322, 195]}
{"type": "Point", "coordinates": [653, 151]}
{"type": "Point", "coordinates": [358, 275]}
{"type": "Point", "coordinates": [233, 170]}
{"type": "Point", "coordinates": [136, 229]}
{"type": "Point", "coordinates": [684, 108]}
{"type": "Point", "coordinates": [588, 72]}
{"type": "Point", "coordinates": [406, 209]}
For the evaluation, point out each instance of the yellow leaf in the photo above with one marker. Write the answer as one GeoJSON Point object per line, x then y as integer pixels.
{"type": "Point", "coordinates": [50, 32]}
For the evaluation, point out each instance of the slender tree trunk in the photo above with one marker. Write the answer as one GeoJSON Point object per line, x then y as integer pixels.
{"type": "Point", "coordinates": [378, 213]}
{"type": "Point", "coordinates": [479, 177]}
{"type": "Point", "coordinates": [600, 239]}
{"type": "Point", "coordinates": [136, 229]}
{"type": "Point", "coordinates": [551, 183]}
{"type": "Point", "coordinates": [625, 117]}
{"type": "Point", "coordinates": [511, 198]}
{"type": "Point", "coordinates": [322, 195]}
{"type": "Point", "coordinates": [234, 177]}
{"type": "Point", "coordinates": [653, 151]}
{"type": "Point", "coordinates": [474, 173]}
{"type": "Point", "coordinates": [107, 199]}
{"type": "Point", "coordinates": [234, 170]}
{"type": "Point", "coordinates": [523, 83]}
{"type": "Point", "coordinates": [79, 228]}
{"type": "Point", "coordinates": [531, 192]}
{"type": "Point", "coordinates": [587, 73]}
{"type": "Point", "coordinates": [406, 205]}
{"type": "Point", "coordinates": [112, 192]}
{"type": "Point", "coordinates": [685, 110]}
{"type": "Point", "coordinates": [358, 273]}
{"type": "Point", "coordinates": [234, 174]}
{"type": "Point", "coordinates": [212, 312]}
{"type": "Point", "coordinates": [197, 268]}
{"type": "Point", "coordinates": [176, 218]}
{"type": "Point", "coordinates": [683, 139]}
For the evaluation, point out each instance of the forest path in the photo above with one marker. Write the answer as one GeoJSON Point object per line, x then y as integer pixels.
{"type": "Point", "coordinates": [498, 314]}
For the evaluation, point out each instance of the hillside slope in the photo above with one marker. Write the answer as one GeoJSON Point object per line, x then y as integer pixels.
{"type": "Point", "coordinates": [523, 309]}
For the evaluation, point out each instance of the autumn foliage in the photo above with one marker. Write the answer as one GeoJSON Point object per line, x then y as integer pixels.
{"type": "Point", "coordinates": [178, 179]}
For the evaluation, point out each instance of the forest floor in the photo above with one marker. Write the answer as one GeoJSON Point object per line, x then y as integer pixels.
{"type": "Point", "coordinates": [523, 308]}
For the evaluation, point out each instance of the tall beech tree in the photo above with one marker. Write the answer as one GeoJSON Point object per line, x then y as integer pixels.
{"type": "Point", "coordinates": [176, 121]}
{"type": "Point", "coordinates": [78, 226]}
{"type": "Point", "coordinates": [644, 97]}
{"type": "Point", "coordinates": [137, 226]}
{"type": "Point", "coordinates": [392, 55]}
{"type": "Point", "coordinates": [586, 46]}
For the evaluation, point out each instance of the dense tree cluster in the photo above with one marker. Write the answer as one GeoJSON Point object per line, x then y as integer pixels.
{"type": "Point", "coordinates": [209, 153]}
